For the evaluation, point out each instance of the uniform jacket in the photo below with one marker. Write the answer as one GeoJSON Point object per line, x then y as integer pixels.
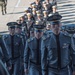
{"type": "Point", "coordinates": [31, 51]}
{"type": "Point", "coordinates": [50, 53]}
{"type": "Point", "coordinates": [17, 47]}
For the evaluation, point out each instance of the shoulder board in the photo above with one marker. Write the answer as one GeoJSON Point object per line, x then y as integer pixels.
{"type": "Point", "coordinates": [5, 36]}
{"type": "Point", "coordinates": [68, 35]}
{"type": "Point", "coordinates": [30, 39]}
{"type": "Point", "coordinates": [23, 34]}
{"type": "Point", "coordinates": [19, 36]}
{"type": "Point", "coordinates": [45, 37]}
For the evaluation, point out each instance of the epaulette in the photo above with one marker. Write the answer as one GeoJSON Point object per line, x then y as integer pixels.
{"type": "Point", "coordinates": [45, 37]}
{"type": "Point", "coordinates": [30, 39]}
{"type": "Point", "coordinates": [67, 34]}
{"type": "Point", "coordinates": [22, 33]}
{"type": "Point", "coordinates": [19, 36]}
{"type": "Point", "coordinates": [5, 36]}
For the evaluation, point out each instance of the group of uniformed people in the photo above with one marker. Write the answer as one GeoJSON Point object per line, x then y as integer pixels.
{"type": "Point", "coordinates": [36, 44]}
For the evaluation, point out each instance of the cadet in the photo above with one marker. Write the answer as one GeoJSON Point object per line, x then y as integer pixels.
{"type": "Point", "coordinates": [57, 54]}
{"type": "Point", "coordinates": [39, 17]}
{"type": "Point", "coordinates": [18, 31]}
{"type": "Point", "coordinates": [34, 13]}
{"type": "Point", "coordinates": [48, 29]}
{"type": "Point", "coordinates": [29, 21]}
{"type": "Point", "coordinates": [32, 52]}
{"type": "Point", "coordinates": [45, 16]}
{"type": "Point", "coordinates": [38, 12]}
{"type": "Point", "coordinates": [54, 9]}
{"type": "Point", "coordinates": [49, 5]}
{"type": "Point", "coordinates": [15, 48]}
{"type": "Point", "coordinates": [45, 7]}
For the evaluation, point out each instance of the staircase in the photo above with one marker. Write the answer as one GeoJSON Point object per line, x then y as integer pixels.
{"type": "Point", "coordinates": [67, 9]}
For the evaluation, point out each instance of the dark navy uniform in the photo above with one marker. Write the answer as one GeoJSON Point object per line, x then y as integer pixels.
{"type": "Point", "coordinates": [57, 60]}
{"type": "Point", "coordinates": [23, 37]}
{"type": "Point", "coordinates": [59, 53]}
{"type": "Point", "coordinates": [45, 45]}
{"type": "Point", "coordinates": [32, 54]}
{"type": "Point", "coordinates": [15, 48]}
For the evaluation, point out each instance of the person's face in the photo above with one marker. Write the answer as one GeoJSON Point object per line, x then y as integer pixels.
{"type": "Point", "coordinates": [34, 12]}
{"type": "Point", "coordinates": [48, 27]}
{"type": "Point", "coordinates": [45, 6]}
{"type": "Point", "coordinates": [39, 17]}
{"type": "Point", "coordinates": [45, 14]}
{"type": "Point", "coordinates": [29, 16]}
{"type": "Point", "coordinates": [19, 21]}
{"type": "Point", "coordinates": [56, 28]}
{"type": "Point", "coordinates": [11, 30]}
{"type": "Point", "coordinates": [54, 9]}
{"type": "Point", "coordinates": [38, 34]}
{"type": "Point", "coordinates": [18, 30]}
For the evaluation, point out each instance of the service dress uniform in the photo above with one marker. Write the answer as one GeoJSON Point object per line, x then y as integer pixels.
{"type": "Point", "coordinates": [15, 48]}
{"type": "Point", "coordinates": [23, 37]}
{"type": "Point", "coordinates": [58, 54]}
{"type": "Point", "coordinates": [32, 54]}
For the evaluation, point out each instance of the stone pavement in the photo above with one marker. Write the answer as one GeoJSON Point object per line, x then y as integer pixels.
{"type": "Point", "coordinates": [67, 9]}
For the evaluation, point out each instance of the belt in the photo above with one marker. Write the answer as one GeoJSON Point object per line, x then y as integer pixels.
{"type": "Point", "coordinates": [35, 63]}
{"type": "Point", "coordinates": [59, 68]}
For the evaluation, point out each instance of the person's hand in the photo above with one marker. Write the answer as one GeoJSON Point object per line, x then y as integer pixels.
{"type": "Point", "coordinates": [74, 73]}
{"type": "Point", "coordinates": [9, 68]}
{"type": "Point", "coordinates": [26, 71]}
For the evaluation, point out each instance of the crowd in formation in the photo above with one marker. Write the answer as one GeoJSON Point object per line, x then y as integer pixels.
{"type": "Point", "coordinates": [36, 44]}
